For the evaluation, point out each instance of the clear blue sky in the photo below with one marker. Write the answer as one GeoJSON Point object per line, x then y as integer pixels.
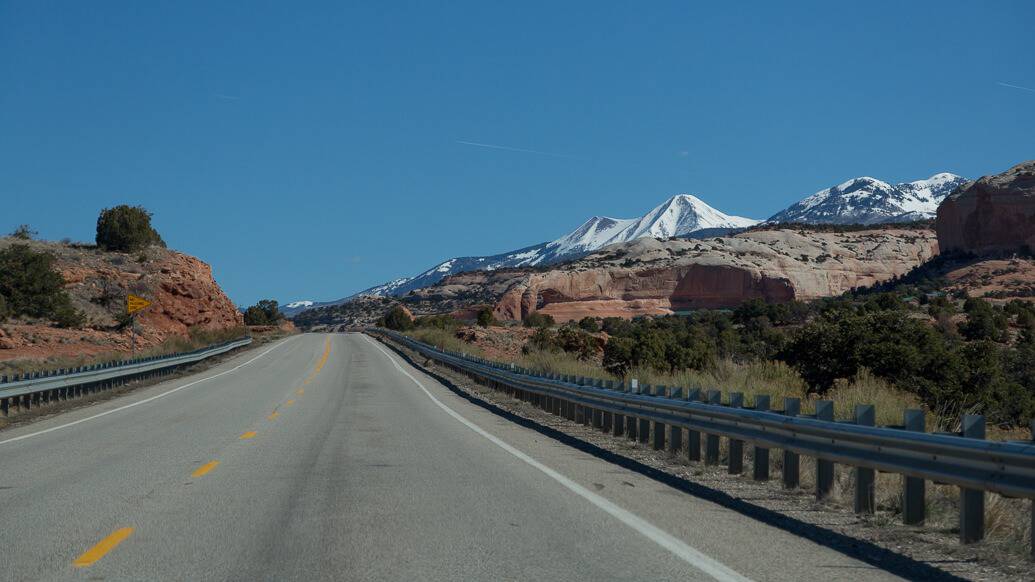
{"type": "Point", "coordinates": [311, 149]}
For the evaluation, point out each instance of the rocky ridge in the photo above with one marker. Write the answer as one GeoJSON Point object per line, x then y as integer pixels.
{"type": "Point", "coordinates": [651, 276]}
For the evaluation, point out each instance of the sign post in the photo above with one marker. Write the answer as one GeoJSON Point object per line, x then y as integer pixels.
{"type": "Point", "coordinates": [133, 305]}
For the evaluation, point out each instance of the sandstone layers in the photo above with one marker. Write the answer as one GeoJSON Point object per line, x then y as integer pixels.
{"type": "Point", "coordinates": [993, 214]}
{"type": "Point", "coordinates": [651, 276]}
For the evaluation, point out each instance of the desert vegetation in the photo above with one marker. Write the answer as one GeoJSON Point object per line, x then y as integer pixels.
{"type": "Point", "coordinates": [31, 287]}
{"type": "Point", "coordinates": [265, 312]}
{"type": "Point", "coordinates": [127, 229]}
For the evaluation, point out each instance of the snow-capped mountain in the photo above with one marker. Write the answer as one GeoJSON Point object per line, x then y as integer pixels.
{"type": "Point", "coordinates": [867, 200]}
{"type": "Point", "coordinates": [680, 215]}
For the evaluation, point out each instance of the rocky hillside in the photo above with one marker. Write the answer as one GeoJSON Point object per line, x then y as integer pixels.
{"type": "Point", "coordinates": [184, 294]}
{"type": "Point", "coordinates": [651, 276]}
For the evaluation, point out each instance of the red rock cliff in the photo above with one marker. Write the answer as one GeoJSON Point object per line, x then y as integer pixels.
{"type": "Point", "coordinates": [993, 214]}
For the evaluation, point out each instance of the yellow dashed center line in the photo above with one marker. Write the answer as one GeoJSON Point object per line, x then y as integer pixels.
{"type": "Point", "coordinates": [273, 416]}
{"type": "Point", "coordinates": [103, 547]}
{"type": "Point", "coordinates": [248, 435]}
{"type": "Point", "coordinates": [289, 402]}
{"type": "Point", "coordinates": [301, 391]}
{"type": "Point", "coordinates": [204, 469]}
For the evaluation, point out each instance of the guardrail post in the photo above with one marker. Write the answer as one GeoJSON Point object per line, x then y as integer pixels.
{"type": "Point", "coordinates": [711, 443]}
{"type": "Point", "coordinates": [824, 469]}
{"type": "Point", "coordinates": [865, 493]}
{"type": "Point", "coordinates": [659, 427]}
{"type": "Point", "coordinates": [675, 432]}
{"type": "Point", "coordinates": [735, 466]}
{"type": "Point", "coordinates": [791, 460]}
{"type": "Point", "coordinates": [619, 421]}
{"type": "Point", "coordinates": [761, 472]}
{"type": "Point", "coordinates": [693, 437]}
{"type": "Point", "coordinates": [913, 487]}
{"type": "Point", "coordinates": [608, 419]}
{"type": "Point", "coordinates": [631, 421]}
{"type": "Point", "coordinates": [643, 430]}
{"type": "Point", "coordinates": [972, 501]}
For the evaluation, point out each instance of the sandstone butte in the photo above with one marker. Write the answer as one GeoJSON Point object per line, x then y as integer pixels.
{"type": "Point", "coordinates": [650, 276]}
{"type": "Point", "coordinates": [181, 287]}
{"type": "Point", "coordinates": [994, 214]}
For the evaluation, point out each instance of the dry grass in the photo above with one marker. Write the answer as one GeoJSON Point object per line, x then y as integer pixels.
{"type": "Point", "coordinates": [1007, 521]}
{"type": "Point", "coordinates": [444, 340]}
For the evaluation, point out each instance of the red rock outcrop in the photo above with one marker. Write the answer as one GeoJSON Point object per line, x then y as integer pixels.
{"type": "Point", "coordinates": [183, 293]}
{"type": "Point", "coordinates": [993, 214]}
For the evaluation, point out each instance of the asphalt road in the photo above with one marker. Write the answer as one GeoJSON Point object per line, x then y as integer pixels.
{"type": "Point", "coordinates": [327, 457]}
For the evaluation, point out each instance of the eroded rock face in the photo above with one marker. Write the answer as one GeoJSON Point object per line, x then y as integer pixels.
{"type": "Point", "coordinates": [653, 277]}
{"type": "Point", "coordinates": [992, 214]}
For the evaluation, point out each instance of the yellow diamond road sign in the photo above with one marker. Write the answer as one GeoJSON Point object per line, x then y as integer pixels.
{"type": "Point", "coordinates": [135, 304]}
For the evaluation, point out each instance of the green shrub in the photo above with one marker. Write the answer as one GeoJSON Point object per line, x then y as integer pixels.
{"type": "Point", "coordinates": [537, 319]}
{"type": "Point", "coordinates": [24, 232]}
{"type": "Point", "coordinates": [3, 308]}
{"type": "Point", "coordinates": [485, 317]}
{"type": "Point", "coordinates": [589, 324]}
{"type": "Point", "coordinates": [265, 312]}
{"type": "Point", "coordinates": [126, 229]}
{"type": "Point", "coordinates": [398, 319]}
{"type": "Point", "coordinates": [29, 285]}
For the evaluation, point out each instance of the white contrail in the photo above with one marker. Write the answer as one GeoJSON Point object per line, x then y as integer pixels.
{"type": "Point", "coordinates": [1015, 86]}
{"type": "Point", "coordinates": [523, 150]}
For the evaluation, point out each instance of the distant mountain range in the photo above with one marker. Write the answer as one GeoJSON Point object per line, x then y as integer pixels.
{"type": "Point", "coordinates": [867, 200]}
{"type": "Point", "coordinates": [861, 200]}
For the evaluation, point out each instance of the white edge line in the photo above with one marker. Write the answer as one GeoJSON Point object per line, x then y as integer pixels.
{"type": "Point", "coordinates": [139, 402]}
{"type": "Point", "coordinates": [680, 549]}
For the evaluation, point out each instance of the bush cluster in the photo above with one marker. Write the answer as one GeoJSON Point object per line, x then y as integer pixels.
{"type": "Point", "coordinates": [265, 312]}
{"type": "Point", "coordinates": [985, 364]}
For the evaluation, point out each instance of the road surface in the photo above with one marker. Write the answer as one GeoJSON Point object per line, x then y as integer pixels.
{"type": "Point", "coordinates": [327, 457]}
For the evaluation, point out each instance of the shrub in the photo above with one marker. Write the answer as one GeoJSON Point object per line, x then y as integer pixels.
{"type": "Point", "coordinates": [23, 232]}
{"type": "Point", "coordinates": [265, 312]}
{"type": "Point", "coordinates": [589, 324]}
{"type": "Point", "coordinates": [398, 319]}
{"type": "Point", "coordinates": [3, 308]}
{"type": "Point", "coordinates": [29, 285]}
{"type": "Point", "coordinates": [126, 229]}
{"type": "Point", "coordinates": [537, 319]}
{"type": "Point", "coordinates": [485, 318]}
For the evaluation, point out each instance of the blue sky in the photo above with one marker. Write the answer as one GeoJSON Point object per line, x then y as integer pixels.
{"type": "Point", "coordinates": [313, 149]}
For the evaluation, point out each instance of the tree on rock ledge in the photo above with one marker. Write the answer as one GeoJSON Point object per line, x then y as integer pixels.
{"type": "Point", "coordinates": [126, 229]}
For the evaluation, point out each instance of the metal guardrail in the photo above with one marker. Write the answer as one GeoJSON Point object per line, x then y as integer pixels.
{"type": "Point", "coordinates": [42, 388]}
{"type": "Point", "coordinates": [965, 460]}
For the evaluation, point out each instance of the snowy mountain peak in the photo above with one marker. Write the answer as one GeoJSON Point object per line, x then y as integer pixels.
{"type": "Point", "coordinates": [867, 200]}
{"type": "Point", "coordinates": [678, 216]}
{"type": "Point", "coordinates": [297, 304]}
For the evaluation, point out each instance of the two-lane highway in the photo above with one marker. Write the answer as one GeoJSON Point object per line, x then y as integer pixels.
{"type": "Point", "coordinates": [328, 457]}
